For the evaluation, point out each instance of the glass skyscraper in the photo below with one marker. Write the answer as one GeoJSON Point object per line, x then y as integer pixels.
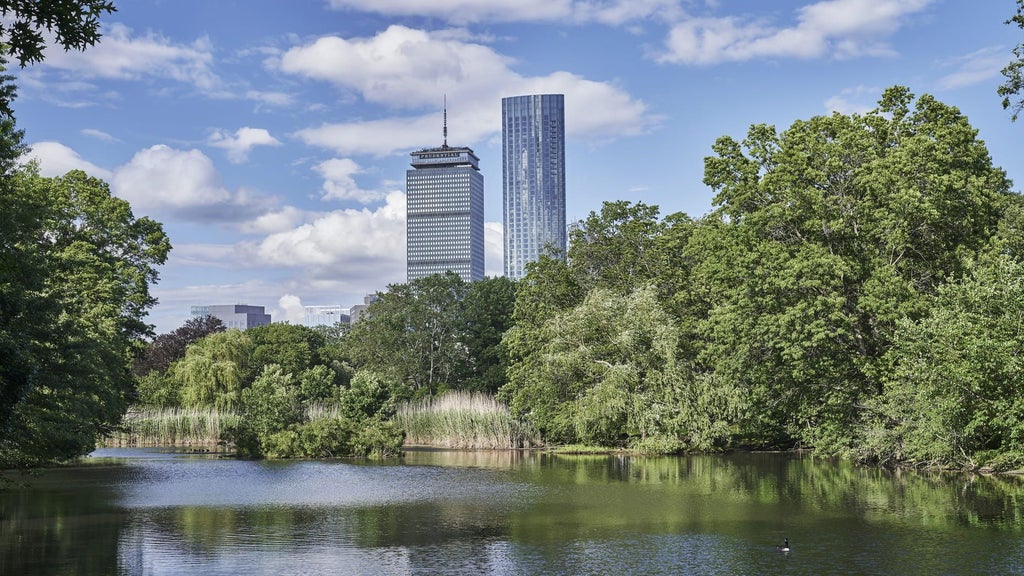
{"type": "Point", "coordinates": [444, 213]}
{"type": "Point", "coordinates": [533, 151]}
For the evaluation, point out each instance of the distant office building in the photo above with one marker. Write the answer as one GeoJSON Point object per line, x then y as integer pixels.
{"type": "Point", "coordinates": [324, 315]}
{"type": "Point", "coordinates": [444, 212]}
{"type": "Point", "coordinates": [240, 316]}
{"type": "Point", "coordinates": [533, 176]}
{"type": "Point", "coordinates": [357, 311]}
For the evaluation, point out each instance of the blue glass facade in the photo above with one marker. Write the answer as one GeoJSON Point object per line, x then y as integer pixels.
{"type": "Point", "coordinates": [444, 214]}
{"type": "Point", "coordinates": [533, 150]}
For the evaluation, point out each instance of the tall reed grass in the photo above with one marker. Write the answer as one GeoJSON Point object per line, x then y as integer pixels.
{"type": "Point", "coordinates": [172, 427]}
{"type": "Point", "coordinates": [463, 420]}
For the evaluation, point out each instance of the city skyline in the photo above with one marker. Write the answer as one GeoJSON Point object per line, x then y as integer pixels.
{"type": "Point", "coordinates": [271, 138]}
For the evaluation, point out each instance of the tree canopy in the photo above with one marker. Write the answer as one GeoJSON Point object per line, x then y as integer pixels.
{"type": "Point", "coordinates": [27, 25]}
{"type": "Point", "coordinates": [828, 241]}
{"type": "Point", "coordinates": [77, 266]}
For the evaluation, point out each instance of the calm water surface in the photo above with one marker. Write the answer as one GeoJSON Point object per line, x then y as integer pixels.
{"type": "Point", "coordinates": [126, 511]}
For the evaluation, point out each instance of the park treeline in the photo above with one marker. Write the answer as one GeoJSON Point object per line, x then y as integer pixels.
{"type": "Point", "coordinates": [855, 290]}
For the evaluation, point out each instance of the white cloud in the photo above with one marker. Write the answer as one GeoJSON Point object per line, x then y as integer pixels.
{"type": "Point", "coordinates": [856, 100]}
{"type": "Point", "coordinates": [56, 159]}
{"type": "Point", "coordinates": [385, 136]}
{"type": "Point", "coordinates": [291, 309]}
{"type": "Point", "coordinates": [99, 135]}
{"type": "Point", "coordinates": [275, 221]}
{"type": "Point", "coordinates": [837, 28]}
{"type": "Point", "coordinates": [612, 12]}
{"type": "Point", "coordinates": [243, 140]}
{"type": "Point", "coordinates": [340, 184]}
{"type": "Point", "coordinates": [344, 242]}
{"type": "Point", "coordinates": [494, 249]}
{"type": "Point", "coordinates": [974, 68]}
{"type": "Point", "coordinates": [411, 69]}
{"type": "Point", "coordinates": [272, 98]}
{"type": "Point", "coordinates": [123, 55]}
{"type": "Point", "coordinates": [400, 67]}
{"type": "Point", "coordinates": [183, 183]}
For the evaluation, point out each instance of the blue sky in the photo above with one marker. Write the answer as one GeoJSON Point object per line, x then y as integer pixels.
{"type": "Point", "coordinates": [271, 137]}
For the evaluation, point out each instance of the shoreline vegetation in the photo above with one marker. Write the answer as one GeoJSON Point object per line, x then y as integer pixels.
{"type": "Point", "coordinates": [456, 419]}
{"type": "Point", "coordinates": [463, 420]}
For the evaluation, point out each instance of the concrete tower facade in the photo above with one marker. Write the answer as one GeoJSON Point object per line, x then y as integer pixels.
{"type": "Point", "coordinates": [444, 212]}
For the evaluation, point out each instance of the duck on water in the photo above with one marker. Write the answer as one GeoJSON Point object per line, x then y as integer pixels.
{"type": "Point", "coordinates": [784, 547]}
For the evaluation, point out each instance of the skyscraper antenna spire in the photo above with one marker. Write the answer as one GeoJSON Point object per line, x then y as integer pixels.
{"type": "Point", "coordinates": [445, 145]}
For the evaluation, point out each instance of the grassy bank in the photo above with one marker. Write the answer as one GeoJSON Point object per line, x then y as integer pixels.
{"type": "Point", "coordinates": [172, 427]}
{"type": "Point", "coordinates": [463, 420]}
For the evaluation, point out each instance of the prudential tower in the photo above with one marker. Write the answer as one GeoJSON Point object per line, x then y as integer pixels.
{"type": "Point", "coordinates": [533, 175]}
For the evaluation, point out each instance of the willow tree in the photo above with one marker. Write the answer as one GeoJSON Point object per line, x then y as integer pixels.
{"type": "Point", "coordinates": [214, 371]}
{"type": "Point", "coordinates": [824, 236]}
{"type": "Point", "coordinates": [598, 373]}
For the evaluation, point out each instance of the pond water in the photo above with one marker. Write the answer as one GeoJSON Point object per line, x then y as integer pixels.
{"type": "Point", "coordinates": [131, 511]}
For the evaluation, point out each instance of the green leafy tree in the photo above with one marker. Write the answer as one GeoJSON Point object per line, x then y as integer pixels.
{"type": "Point", "coordinates": [214, 371]}
{"type": "Point", "coordinates": [74, 24]}
{"type": "Point", "coordinates": [824, 237]}
{"type": "Point", "coordinates": [368, 395]}
{"type": "Point", "coordinates": [1011, 89]}
{"type": "Point", "coordinates": [412, 334]}
{"type": "Point", "coordinates": [88, 265]}
{"type": "Point", "coordinates": [487, 314]}
{"type": "Point", "coordinates": [549, 287]}
{"type": "Point", "coordinates": [318, 384]}
{"type": "Point", "coordinates": [954, 390]}
{"type": "Point", "coordinates": [168, 348]}
{"type": "Point", "coordinates": [271, 408]}
{"type": "Point", "coordinates": [24, 309]}
{"type": "Point", "coordinates": [617, 248]}
{"type": "Point", "coordinates": [293, 347]}
{"type": "Point", "coordinates": [596, 373]}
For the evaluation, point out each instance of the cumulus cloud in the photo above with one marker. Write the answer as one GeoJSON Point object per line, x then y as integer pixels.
{"type": "Point", "coordinates": [274, 221]}
{"type": "Point", "coordinates": [400, 66]}
{"type": "Point", "coordinates": [291, 309]}
{"type": "Point", "coordinates": [241, 142]}
{"type": "Point", "coordinates": [837, 28]}
{"type": "Point", "coordinates": [183, 183]}
{"type": "Point", "coordinates": [56, 159]}
{"type": "Point", "coordinates": [340, 184]}
{"type": "Point", "coordinates": [611, 12]}
{"type": "Point", "coordinates": [345, 242]}
{"type": "Point", "coordinates": [404, 68]}
{"type": "Point", "coordinates": [124, 55]}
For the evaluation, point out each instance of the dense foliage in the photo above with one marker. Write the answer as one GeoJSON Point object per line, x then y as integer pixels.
{"type": "Point", "coordinates": [75, 271]}
{"type": "Point", "coordinates": [292, 395]}
{"type": "Point", "coordinates": [830, 243]}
